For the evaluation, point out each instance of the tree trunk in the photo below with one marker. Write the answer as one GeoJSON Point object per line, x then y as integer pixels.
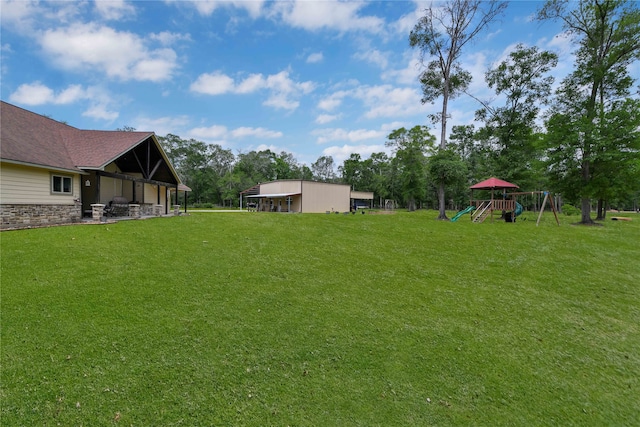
{"type": "Point", "coordinates": [586, 201]}
{"type": "Point", "coordinates": [443, 117]}
{"type": "Point", "coordinates": [586, 211]}
{"type": "Point", "coordinates": [600, 210]}
{"type": "Point", "coordinates": [442, 215]}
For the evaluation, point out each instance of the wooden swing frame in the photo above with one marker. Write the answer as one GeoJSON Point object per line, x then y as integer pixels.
{"type": "Point", "coordinates": [544, 203]}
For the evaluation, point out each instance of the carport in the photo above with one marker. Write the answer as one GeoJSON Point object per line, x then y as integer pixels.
{"type": "Point", "coordinates": [273, 202]}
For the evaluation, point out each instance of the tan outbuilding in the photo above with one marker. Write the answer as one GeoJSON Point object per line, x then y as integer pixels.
{"type": "Point", "coordinates": [304, 196]}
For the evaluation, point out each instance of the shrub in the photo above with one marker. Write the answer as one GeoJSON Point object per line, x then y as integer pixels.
{"type": "Point", "coordinates": [570, 210]}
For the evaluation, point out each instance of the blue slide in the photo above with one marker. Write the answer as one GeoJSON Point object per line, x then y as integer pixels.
{"type": "Point", "coordinates": [466, 211]}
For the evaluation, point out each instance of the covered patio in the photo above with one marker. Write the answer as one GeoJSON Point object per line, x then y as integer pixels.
{"type": "Point", "coordinates": [136, 183]}
{"type": "Point", "coordinates": [275, 202]}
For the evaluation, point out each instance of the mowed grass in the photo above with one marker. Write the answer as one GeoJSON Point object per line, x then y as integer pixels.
{"type": "Point", "coordinates": [348, 320]}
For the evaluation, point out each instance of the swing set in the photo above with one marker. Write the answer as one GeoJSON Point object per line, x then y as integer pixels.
{"type": "Point", "coordinates": [547, 198]}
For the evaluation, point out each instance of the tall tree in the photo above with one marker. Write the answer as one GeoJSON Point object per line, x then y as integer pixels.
{"type": "Point", "coordinates": [256, 166]}
{"type": "Point", "coordinates": [523, 81]}
{"type": "Point", "coordinates": [443, 32]}
{"type": "Point", "coordinates": [411, 148]}
{"type": "Point", "coordinates": [221, 163]}
{"type": "Point", "coordinates": [447, 166]}
{"type": "Point", "coordinates": [357, 172]}
{"type": "Point", "coordinates": [607, 33]}
{"type": "Point", "coordinates": [380, 166]}
{"type": "Point", "coordinates": [286, 166]}
{"type": "Point", "coordinates": [464, 141]}
{"type": "Point", "coordinates": [189, 157]}
{"type": "Point", "coordinates": [323, 169]}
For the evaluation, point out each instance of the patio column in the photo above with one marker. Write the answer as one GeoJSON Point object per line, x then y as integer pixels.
{"type": "Point", "coordinates": [134, 210]}
{"type": "Point", "coordinates": [97, 210]}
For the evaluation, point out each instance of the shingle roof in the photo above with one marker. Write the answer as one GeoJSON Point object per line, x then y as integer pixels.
{"type": "Point", "coordinates": [27, 137]}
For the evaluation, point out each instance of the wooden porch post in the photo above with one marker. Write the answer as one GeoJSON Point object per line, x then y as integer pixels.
{"type": "Point", "coordinates": [97, 188]}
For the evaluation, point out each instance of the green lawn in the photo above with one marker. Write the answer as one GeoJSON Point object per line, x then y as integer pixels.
{"type": "Point", "coordinates": [321, 320]}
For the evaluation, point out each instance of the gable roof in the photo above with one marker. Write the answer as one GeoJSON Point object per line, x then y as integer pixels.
{"type": "Point", "coordinates": [33, 139]}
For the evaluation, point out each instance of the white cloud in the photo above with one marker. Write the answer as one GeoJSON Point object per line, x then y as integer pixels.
{"type": "Point", "coordinates": [245, 132]}
{"type": "Point", "coordinates": [373, 56]}
{"type": "Point", "coordinates": [162, 125]}
{"type": "Point", "coordinates": [477, 64]}
{"type": "Point", "coordinates": [380, 100]}
{"type": "Point", "coordinates": [219, 132]}
{"type": "Point", "coordinates": [332, 15]}
{"type": "Point", "coordinates": [326, 118]}
{"type": "Point", "coordinates": [115, 9]}
{"type": "Point", "coordinates": [120, 55]}
{"type": "Point", "coordinates": [207, 7]}
{"type": "Point", "coordinates": [314, 58]}
{"type": "Point", "coordinates": [389, 101]}
{"type": "Point", "coordinates": [19, 14]}
{"type": "Point", "coordinates": [341, 153]}
{"type": "Point", "coordinates": [284, 92]}
{"type": "Point", "coordinates": [100, 111]}
{"type": "Point", "coordinates": [211, 132]}
{"type": "Point", "coordinates": [405, 76]}
{"type": "Point", "coordinates": [37, 93]}
{"type": "Point", "coordinates": [213, 84]}
{"type": "Point", "coordinates": [251, 84]}
{"type": "Point", "coordinates": [32, 94]}
{"type": "Point", "coordinates": [71, 94]}
{"type": "Point", "coordinates": [561, 44]}
{"type": "Point", "coordinates": [406, 22]}
{"type": "Point", "coordinates": [332, 101]}
{"type": "Point", "coordinates": [168, 38]}
{"type": "Point", "coordinates": [328, 135]}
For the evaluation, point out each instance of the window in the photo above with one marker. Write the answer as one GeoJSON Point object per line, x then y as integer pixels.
{"type": "Point", "coordinates": [61, 184]}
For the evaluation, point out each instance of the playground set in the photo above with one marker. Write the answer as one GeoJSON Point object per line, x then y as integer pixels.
{"type": "Point", "coordinates": [480, 210]}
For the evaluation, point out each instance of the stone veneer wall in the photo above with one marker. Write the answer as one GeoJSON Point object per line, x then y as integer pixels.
{"type": "Point", "coordinates": [24, 216]}
{"type": "Point", "coordinates": [146, 209]}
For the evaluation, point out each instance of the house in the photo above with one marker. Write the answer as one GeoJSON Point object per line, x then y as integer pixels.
{"type": "Point", "coordinates": [303, 196]}
{"type": "Point", "coordinates": [53, 173]}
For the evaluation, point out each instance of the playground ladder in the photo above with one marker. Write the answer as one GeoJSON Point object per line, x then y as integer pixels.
{"type": "Point", "coordinates": [482, 212]}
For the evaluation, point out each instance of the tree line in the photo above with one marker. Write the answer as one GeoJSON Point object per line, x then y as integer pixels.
{"type": "Point", "coordinates": [581, 140]}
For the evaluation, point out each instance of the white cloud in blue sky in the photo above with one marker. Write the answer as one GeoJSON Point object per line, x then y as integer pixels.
{"type": "Point", "coordinates": [311, 78]}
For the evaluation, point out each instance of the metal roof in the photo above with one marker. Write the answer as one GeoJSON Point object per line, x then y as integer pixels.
{"type": "Point", "coordinates": [492, 183]}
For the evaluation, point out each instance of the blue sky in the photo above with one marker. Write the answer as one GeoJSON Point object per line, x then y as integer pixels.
{"type": "Point", "coordinates": [311, 78]}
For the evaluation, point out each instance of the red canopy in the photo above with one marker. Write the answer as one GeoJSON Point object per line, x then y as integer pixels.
{"type": "Point", "coordinates": [492, 183]}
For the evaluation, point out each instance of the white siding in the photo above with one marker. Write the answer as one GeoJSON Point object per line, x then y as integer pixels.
{"type": "Point", "coordinates": [28, 185]}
